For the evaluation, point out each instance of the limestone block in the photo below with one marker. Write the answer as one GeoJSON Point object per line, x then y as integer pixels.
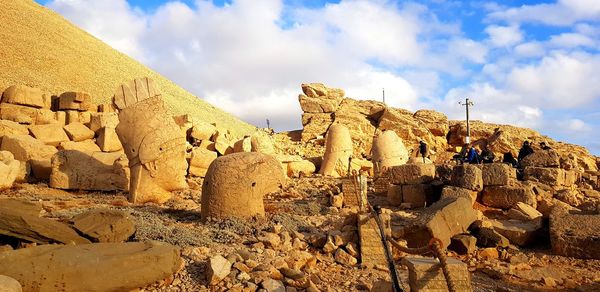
{"type": "Point", "coordinates": [86, 146]}
{"type": "Point", "coordinates": [443, 172]}
{"type": "Point", "coordinates": [521, 233]}
{"type": "Point", "coordinates": [218, 268]}
{"type": "Point", "coordinates": [223, 145]}
{"type": "Point", "coordinates": [71, 117]}
{"type": "Point", "coordinates": [412, 174]}
{"type": "Point", "coordinates": [323, 104]}
{"type": "Point", "coordinates": [300, 168]}
{"type": "Point", "coordinates": [505, 197]}
{"type": "Point", "coordinates": [574, 234]}
{"type": "Point", "coordinates": [26, 115]}
{"type": "Point", "coordinates": [467, 176]}
{"type": "Point", "coordinates": [91, 267]}
{"type": "Point", "coordinates": [550, 176]}
{"type": "Point", "coordinates": [97, 171]}
{"type": "Point", "coordinates": [263, 143]}
{"type": "Point", "coordinates": [426, 275]}
{"type": "Point", "coordinates": [78, 132]}
{"type": "Point", "coordinates": [315, 125]}
{"type": "Point", "coordinates": [455, 192]}
{"type": "Point", "coordinates": [108, 140]}
{"type": "Point", "coordinates": [105, 225]}
{"type": "Point", "coordinates": [416, 195]}
{"type": "Point", "coordinates": [497, 174]}
{"type": "Point", "coordinates": [9, 284]}
{"type": "Point", "coordinates": [388, 151]}
{"type": "Point", "coordinates": [79, 101]}
{"type": "Point", "coordinates": [9, 169]}
{"type": "Point", "coordinates": [85, 117]}
{"type": "Point", "coordinates": [243, 145]}
{"type": "Point", "coordinates": [338, 150]}
{"type": "Point", "coordinates": [103, 120]}
{"type": "Point", "coordinates": [107, 108]}
{"type": "Point", "coordinates": [524, 212]}
{"type": "Point", "coordinates": [371, 248]}
{"type": "Point", "coordinates": [25, 147]}
{"type": "Point", "coordinates": [153, 142]}
{"type": "Point", "coordinates": [24, 95]}
{"type": "Point", "coordinates": [394, 195]}
{"type": "Point", "coordinates": [542, 158]}
{"type": "Point", "coordinates": [200, 161]}
{"type": "Point", "coordinates": [41, 168]}
{"type": "Point", "coordinates": [12, 128]}
{"type": "Point", "coordinates": [50, 134]}
{"type": "Point", "coordinates": [463, 244]}
{"type": "Point", "coordinates": [61, 118]}
{"type": "Point", "coordinates": [235, 185]}
{"type": "Point", "coordinates": [203, 130]}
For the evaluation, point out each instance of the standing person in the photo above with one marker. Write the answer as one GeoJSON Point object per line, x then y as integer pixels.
{"type": "Point", "coordinates": [423, 150]}
{"type": "Point", "coordinates": [524, 151]}
{"type": "Point", "coordinates": [487, 156]}
{"type": "Point", "coordinates": [473, 156]}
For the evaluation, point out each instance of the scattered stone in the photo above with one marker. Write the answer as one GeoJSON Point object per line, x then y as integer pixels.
{"type": "Point", "coordinates": [27, 96]}
{"type": "Point", "coordinates": [344, 258]}
{"type": "Point", "coordinates": [23, 206]}
{"type": "Point", "coordinates": [200, 161]}
{"type": "Point", "coordinates": [489, 253]}
{"type": "Point", "coordinates": [91, 267]}
{"type": "Point", "coordinates": [271, 285]}
{"type": "Point", "coordinates": [574, 234]}
{"type": "Point", "coordinates": [497, 174]}
{"type": "Point", "coordinates": [425, 274]}
{"type": "Point", "coordinates": [78, 132]}
{"type": "Point", "coordinates": [524, 212]}
{"type": "Point", "coordinates": [300, 168]}
{"type": "Point", "coordinates": [292, 273]}
{"type": "Point", "coordinates": [271, 240]}
{"type": "Point", "coordinates": [104, 225]}
{"type": "Point", "coordinates": [262, 143]}
{"type": "Point", "coordinates": [550, 176]}
{"type": "Point", "coordinates": [463, 244]}
{"type": "Point", "coordinates": [488, 237]}
{"type": "Point", "coordinates": [505, 197]}
{"type": "Point", "coordinates": [218, 268]}
{"type": "Point", "coordinates": [86, 146]}
{"type": "Point", "coordinates": [235, 185]}
{"type": "Point", "coordinates": [412, 174]}
{"type": "Point", "coordinates": [203, 130]}
{"type": "Point", "coordinates": [467, 176]}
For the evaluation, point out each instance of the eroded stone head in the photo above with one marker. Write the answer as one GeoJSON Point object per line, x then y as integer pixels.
{"type": "Point", "coordinates": [338, 150]}
{"type": "Point", "coordinates": [388, 151]}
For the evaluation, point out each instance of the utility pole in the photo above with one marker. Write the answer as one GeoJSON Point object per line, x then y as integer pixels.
{"type": "Point", "coordinates": [384, 96]}
{"type": "Point", "coordinates": [467, 104]}
{"type": "Point", "coordinates": [268, 124]}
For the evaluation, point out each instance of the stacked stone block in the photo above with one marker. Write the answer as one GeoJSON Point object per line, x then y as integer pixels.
{"type": "Point", "coordinates": [410, 185]}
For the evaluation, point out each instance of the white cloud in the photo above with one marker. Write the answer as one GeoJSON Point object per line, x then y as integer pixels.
{"type": "Point", "coordinates": [530, 49]}
{"type": "Point", "coordinates": [561, 13]}
{"type": "Point", "coordinates": [572, 40]}
{"type": "Point", "coordinates": [504, 36]}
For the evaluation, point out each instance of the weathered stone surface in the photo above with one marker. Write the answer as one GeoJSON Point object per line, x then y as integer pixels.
{"type": "Point", "coordinates": [410, 129]}
{"type": "Point", "coordinates": [488, 237]}
{"type": "Point", "coordinates": [321, 104]}
{"type": "Point", "coordinates": [443, 172]}
{"type": "Point", "coordinates": [388, 151]}
{"type": "Point", "coordinates": [435, 122]}
{"type": "Point", "coordinates": [87, 146]}
{"type": "Point", "coordinates": [521, 233]}
{"type": "Point", "coordinates": [442, 220]}
{"type": "Point", "coordinates": [416, 195]}
{"type": "Point", "coordinates": [51, 134]}
{"type": "Point", "coordinates": [272, 285]}
{"type": "Point", "coordinates": [235, 185]}
{"type": "Point", "coordinates": [344, 258]}
{"type": "Point", "coordinates": [200, 161]}
{"type": "Point", "coordinates": [91, 267]}
{"type": "Point", "coordinates": [80, 101]}
{"type": "Point", "coordinates": [9, 169]}
{"type": "Point", "coordinates": [574, 234]}
{"type": "Point", "coordinates": [25, 147]}
{"type": "Point", "coordinates": [467, 176]}
{"type": "Point", "coordinates": [497, 174]}
{"type": "Point", "coordinates": [108, 140]}
{"type": "Point", "coordinates": [316, 90]}
{"type": "Point", "coordinates": [542, 158]}
{"type": "Point", "coordinates": [315, 125]}
{"type": "Point", "coordinates": [23, 206]}
{"type": "Point", "coordinates": [26, 115]}
{"type": "Point", "coordinates": [41, 168]}
{"type": "Point", "coordinates": [12, 128]}
{"type": "Point", "coordinates": [300, 168]}
{"type": "Point", "coordinates": [243, 145]}
{"type": "Point", "coordinates": [153, 142]}
{"type": "Point", "coordinates": [463, 244]}
{"type": "Point", "coordinates": [8, 284]}
{"type": "Point", "coordinates": [524, 212]}
{"type": "Point", "coordinates": [371, 248]}
{"type": "Point", "coordinates": [105, 225]}
{"type": "Point", "coordinates": [78, 132]}
{"type": "Point", "coordinates": [425, 274]}
{"type": "Point", "coordinates": [203, 130]}
{"type": "Point", "coordinates": [394, 195]}
{"type": "Point", "coordinates": [456, 192]}
{"type": "Point", "coordinates": [338, 150]}
{"type": "Point", "coordinates": [505, 197]}
{"type": "Point", "coordinates": [223, 145]}
{"type": "Point", "coordinates": [218, 268]}
{"type": "Point", "coordinates": [412, 174]}
{"type": "Point", "coordinates": [550, 176]}
{"type": "Point", "coordinates": [103, 120]}
{"type": "Point", "coordinates": [263, 143]}
{"type": "Point", "coordinates": [25, 95]}
{"type": "Point", "coordinates": [99, 171]}
{"type": "Point", "coordinates": [24, 225]}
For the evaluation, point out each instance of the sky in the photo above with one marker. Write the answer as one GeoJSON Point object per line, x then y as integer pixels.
{"type": "Point", "coordinates": [534, 64]}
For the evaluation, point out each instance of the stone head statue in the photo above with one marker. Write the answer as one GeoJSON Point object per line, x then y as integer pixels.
{"type": "Point", "coordinates": [338, 151]}
{"type": "Point", "coordinates": [388, 151]}
{"type": "Point", "coordinates": [153, 143]}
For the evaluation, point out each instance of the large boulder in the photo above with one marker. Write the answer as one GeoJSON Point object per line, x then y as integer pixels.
{"type": "Point", "coordinates": [497, 174]}
{"type": "Point", "coordinates": [467, 176]}
{"type": "Point", "coordinates": [78, 132]}
{"type": "Point", "coordinates": [27, 96]}
{"type": "Point", "coordinates": [506, 197]}
{"type": "Point", "coordinates": [315, 125]}
{"type": "Point", "coordinates": [25, 147]}
{"type": "Point", "coordinates": [12, 128]}
{"type": "Point", "coordinates": [108, 140]}
{"type": "Point", "coordinates": [26, 115]}
{"type": "Point", "coordinates": [235, 184]}
{"type": "Point", "coordinates": [105, 225]}
{"type": "Point", "coordinates": [91, 267]}
{"type": "Point", "coordinates": [200, 161]}
{"type": "Point", "coordinates": [407, 174]}
{"type": "Point", "coordinates": [74, 170]}
{"type": "Point", "coordinates": [9, 169]}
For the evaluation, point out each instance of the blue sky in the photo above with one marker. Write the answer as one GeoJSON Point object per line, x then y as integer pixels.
{"type": "Point", "coordinates": [529, 63]}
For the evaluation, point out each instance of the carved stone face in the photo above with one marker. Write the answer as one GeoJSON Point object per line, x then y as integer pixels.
{"type": "Point", "coordinates": [168, 171]}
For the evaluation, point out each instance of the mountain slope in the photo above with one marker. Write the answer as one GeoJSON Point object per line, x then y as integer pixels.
{"type": "Point", "coordinates": [42, 49]}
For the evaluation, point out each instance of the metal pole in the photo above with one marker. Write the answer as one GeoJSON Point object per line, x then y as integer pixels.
{"type": "Point", "coordinates": [468, 127]}
{"type": "Point", "coordinates": [384, 96]}
{"type": "Point", "coordinates": [376, 211]}
{"type": "Point", "coordinates": [268, 124]}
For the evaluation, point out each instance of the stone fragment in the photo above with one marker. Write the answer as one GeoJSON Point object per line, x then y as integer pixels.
{"type": "Point", "coordinates": [263, 143]}
{"type": "Point", "coordinates": [105, 225]}
{"type": "Point", "coordinates": [550, 176]}
{"type": "Point", "coordinates": [26, 115]}
{"type": "Point", "coordinates": [467, 176]}
{"type": "Point", "coordinates": [336, 201]}
{"type": "Point", "coordinates": [12, 128]}
{"type": "Point", "coordinates": [51, 134]}
{"type": "Point", "coordinates": [412, 174]}
{"type": "Point", "coordinates": [235, 185]}
{"type": "Point", "coordinates": [425, 274]}
{"type": "Point", "coordinates": [271, 285]}
{"type": "Point", "coordinates": [218, 268]}
{"type": "Point", "coordinates": [315, 125]}
{"type": "Point", "coordinates": [9, 169]}
{"type": "Point", "coordinates": [524, 212]}
{"type": "Point", "coordinates": [574, 234]}
{"type": "Point", "coordinates": [153, 142]}
{"type": "Point", "coordinates": [300, 168]}
{"type": "Point", "coordinates": [455, 192]}
{"type": "Point", "coordinates": [319, 90]}
{"type": "Point", "coordinates": [505, 197]}
{"type": "Point", "coordinates": [79, 101]}
{"type": "Point", "coordinates": [521, 233]}
{"type": "Point", "coordinates": [416, 195]}
{"type": "Point", "coordinates": [490, 253]}
{"type": "Point", "coordinates": [338, 151]}
{"type": "Point", "coordinates": [103, 120]}
{"type": "Point", "coordinates": [223, 144]}
{"type": "Point", "coordinates": [203, 131]}
{"type": "Point", "coordinates": [463, 244]}
{"type": "Point", "coordinates": [344, 258]}
{"type": "Point", "coordinates": [25, 95]}
{"type": "Point", "coordinates": [542, 158]}
{"type": "Point", "coordinates": [243, 145]}
{"type": "Point", "coordinates": [106, 108]}
{"type": "Point", "coordinates": [442, 220]}
{"type": "Point", "coordinates": [108, 140]}
{"type": "Point", "coordinates": [25, 147]}
{"type": "Point", "coordinates": [293, 274]}
{"type": "Point", "coordinates": [91, 267]}
{"type": "Point", "coordinates": [388, 151]}
{"type": "Point", "coordinates": [435, 122]}
{"type": "Point", "coordinates": [23, 206]}
{"type": "Point", "coordinates": [24, 225]}
{"type": "Point", "coordinates": [74, 170]}
{"type": "Point", "coordinates": [200, 161]}
{"type": "Point", "coordinates": [497, 174]}
{"type": "Point", "coordinates": [78, 132]}
{"type": "Point", "coordinates": [71, 117]}
{"type": "Point", "coordinates": [488, 237]}
{"type": "Point", "coordinates": [8, 284]}
{"type": "Point", "coordinates": [394, 195]}
{"type": "Point", "coordinates": [41, 169]}
{"type": "Point", "coordinates": [87, 146]}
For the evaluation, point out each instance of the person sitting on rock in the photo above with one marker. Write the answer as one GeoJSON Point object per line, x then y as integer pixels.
{"type": "Point", "coordinates": [544, 146]}
{"type": "Point", "coordinates": [487, 156]}
{"type": "Point", "coordinates": [461, 157]}
{"type": "Point", "coordinates": [510, 159]}
{"type": "Point", "coordinates": [524, 151]}
{"type": "Point", "coordinates": [423, 150]}
{"type": "Point", "coordinates": [473, 156]}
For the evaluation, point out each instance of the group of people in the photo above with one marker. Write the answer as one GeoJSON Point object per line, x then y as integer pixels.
{"type": "Point", "coordinates": [469, 154]}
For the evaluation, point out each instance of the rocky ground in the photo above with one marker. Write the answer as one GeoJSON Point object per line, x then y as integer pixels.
{"type": "Point", "coordinates": [300, 211]}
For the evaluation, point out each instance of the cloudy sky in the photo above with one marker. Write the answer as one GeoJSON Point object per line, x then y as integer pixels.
{"type": "Point", "coordinates": [529, 63]}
